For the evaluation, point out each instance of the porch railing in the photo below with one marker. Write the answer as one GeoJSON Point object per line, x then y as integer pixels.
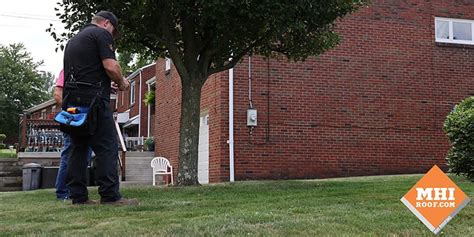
{"type": "Point", "coordinates": [41, 135]}
{"type": "Point", "coordinates": [135, 143]}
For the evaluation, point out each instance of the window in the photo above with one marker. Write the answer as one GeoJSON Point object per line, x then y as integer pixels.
{"type": "Point", "coordinates": [43, 114]}
{"type": "Point", "coordinates": [456, 31]}
{"type": "Point", "coordinates": [167, 64]}
{"type": "Point", "coordinates": [132, 92]}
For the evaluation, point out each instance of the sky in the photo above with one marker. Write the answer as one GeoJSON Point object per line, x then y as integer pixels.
{"type": "Point", "coordinates": [25, 21]}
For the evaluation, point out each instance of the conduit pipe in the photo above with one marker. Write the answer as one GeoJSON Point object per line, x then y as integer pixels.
{"type": "Point", "coordinates": [231, 125]}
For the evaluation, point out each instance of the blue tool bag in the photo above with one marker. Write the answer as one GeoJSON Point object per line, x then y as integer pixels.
{"type": "Point", "coordinates": [80, 108]}
{"type": "Point", "coordinates": [73, 119]}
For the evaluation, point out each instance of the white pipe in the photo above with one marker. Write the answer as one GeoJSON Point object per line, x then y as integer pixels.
{"type": "Point", "coordinates": [231, 125]}
{"type": "Point", "coordinates": [250, 82]}
{"type": "Point", "coordinates": [148, 122]}
{"type": "Point", "coordinates": [140, 105]}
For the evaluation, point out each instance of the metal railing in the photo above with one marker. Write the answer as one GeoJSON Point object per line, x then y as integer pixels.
{"type": "Point", "coordinates": [135, 143]}
{"type": "Point", "coordinates": [43, 136]}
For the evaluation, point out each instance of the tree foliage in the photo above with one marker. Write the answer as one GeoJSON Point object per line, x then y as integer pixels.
{"type": "Point", "coordinates": [22, 85]}
{"type": "Point", "coordinates": [459, 127]}
{"type": "Point", "coordinates": [132, 61]}
{"type": "Point", "coordinates": [203, 37]}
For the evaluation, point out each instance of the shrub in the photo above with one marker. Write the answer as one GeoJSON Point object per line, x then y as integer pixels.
{"type": "Point", "coordinates": [149, 98]}
{"type": "Point", "coordinates": [2, 146]}
{"type": "Point", "coordinates": [150, 144]}
{"type": "Point", "coordinates": [2, 137]}
{"type": "Point", "coordinates": [459, 127]}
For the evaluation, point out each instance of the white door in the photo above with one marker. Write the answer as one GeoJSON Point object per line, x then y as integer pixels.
{"type": "Point", "coordinates": [203, 155]}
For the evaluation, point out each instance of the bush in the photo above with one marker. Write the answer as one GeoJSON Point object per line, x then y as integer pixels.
{"type": "Point", "coordinates": [459, 127]}
{"type": "Point", "coordinates": [2, 146]}
{"type": "Point", "coordinates": [150, 144]}
{"type": "Point", "coordinates": [2, 137]}
{"type": "Point", "coordinates": [149, 98]}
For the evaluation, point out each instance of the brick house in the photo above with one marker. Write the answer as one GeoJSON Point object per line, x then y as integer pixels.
{"type": "Point", "coordinates": [373, 105]}
{"type": "Point", "coordinates": [38, 131]}
{"type": "Point", "coordinates": [135, 118]}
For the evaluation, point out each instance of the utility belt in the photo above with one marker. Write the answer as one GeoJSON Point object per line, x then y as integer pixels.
{"type": "Point", "coordinates": [80, 108]}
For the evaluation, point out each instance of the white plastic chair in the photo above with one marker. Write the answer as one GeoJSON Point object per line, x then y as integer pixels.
{"type": "Point", "coordinates": [160, 166]}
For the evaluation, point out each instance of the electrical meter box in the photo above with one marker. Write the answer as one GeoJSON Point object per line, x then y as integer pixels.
{"type": "Point", "coordinates": [251, 117]}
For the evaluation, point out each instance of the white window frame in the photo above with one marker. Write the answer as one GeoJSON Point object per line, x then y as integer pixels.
{"type": "Point", "coordinates": [132, 92]}
{"type": "Point", "coordinates": [450, 23]}
{"type": "Point", "coordinates": [43, 114]}
{"type": "Point", "coordinates": [167, 64]}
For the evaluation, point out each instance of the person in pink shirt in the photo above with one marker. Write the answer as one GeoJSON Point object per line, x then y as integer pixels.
{"type": "Point", "coordinates": [62, 191]}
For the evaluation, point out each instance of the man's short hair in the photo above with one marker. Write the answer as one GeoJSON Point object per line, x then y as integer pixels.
{"type": "Point", "coordinates": [112, 18]}
{"type": "Point", "coordinates": [97, 19]}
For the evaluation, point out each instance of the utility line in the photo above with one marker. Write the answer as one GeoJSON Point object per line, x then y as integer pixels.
{"type": "Point", "coordinates": [22, 26]}
{"type": "Point", "coordinates": [28, 17]}
{"type": "Point", "coordinates": [26, 14]}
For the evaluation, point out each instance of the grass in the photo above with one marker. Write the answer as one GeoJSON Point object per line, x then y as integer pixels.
{"type": "Point", "coordinates": [365, 206]}
{"type": "Point", "coordinates": [7, 153]}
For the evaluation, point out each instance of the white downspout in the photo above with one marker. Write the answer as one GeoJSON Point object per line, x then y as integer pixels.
{"type": "Point", "coordinates": [148, 122]}
{"type": "Point", "coordinates": [231, 125]}
{"type": "Point", "coordinates": [140, 106]}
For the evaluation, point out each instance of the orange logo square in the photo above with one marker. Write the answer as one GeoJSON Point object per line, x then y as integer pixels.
{"type": "Point", "coordinates": [435, 199]}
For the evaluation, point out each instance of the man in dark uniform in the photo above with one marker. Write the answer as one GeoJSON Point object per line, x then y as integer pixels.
{"type": "Point", "coordinates": [89, 58]}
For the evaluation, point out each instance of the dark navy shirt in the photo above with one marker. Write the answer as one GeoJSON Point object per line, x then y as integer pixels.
{"type": "Point", "coordinates": [84, 54]}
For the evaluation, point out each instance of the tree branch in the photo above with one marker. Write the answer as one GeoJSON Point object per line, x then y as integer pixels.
{"type": "Point", "coordinates": [190, 41]}
{"type": "Point", "coordinates": [168, 26]}
{"type": "Point", "coordinates": [235, 59]}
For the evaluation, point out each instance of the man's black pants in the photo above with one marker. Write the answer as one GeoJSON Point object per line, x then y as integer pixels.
{"type": "Point", "coordinates": [105, 146]}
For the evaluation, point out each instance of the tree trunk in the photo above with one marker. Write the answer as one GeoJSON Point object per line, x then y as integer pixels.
{"type": "Point", "coordinates": [189, 133]}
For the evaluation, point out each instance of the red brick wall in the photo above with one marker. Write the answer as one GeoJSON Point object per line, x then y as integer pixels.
{"type": "Point", "coordinates": [167, 107]}
{"type": "Point", "coordinates": [373, 105]}
{"type": "Point", "coordinates": [123, 98]}
{"type": "Point", "coordinates": [214, 102]}
{"type": "Point", "coordinates": [167, 116]}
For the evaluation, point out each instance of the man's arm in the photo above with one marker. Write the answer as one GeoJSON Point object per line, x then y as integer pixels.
{"type": "Point", "coordinates": [58, 95]}
{"type": "Point", "coordinates": [114, 71]}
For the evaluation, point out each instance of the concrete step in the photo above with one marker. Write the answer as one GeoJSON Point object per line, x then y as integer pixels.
{"type": "Point", "coordinates": [4, 163]}
{"type": "Point", "coordinates": [11, 173]}
{"type": "Point", "coordinates": [10, 183]}
{"type": "Point", "coordinates": [138, 163]}
{"type": "Point", "coordinates": [145, 179]}
{"type": "Point", "coordinates": [139, 154]}
{"type": "Point", "coordinates": [10, 168]}
{"type": "Point", "coordinates": [139, 158]}
{"type": "Point", "coordinates": [134, 183]}
{"type": "Point", "coordinates": [138, 169]}
{"type": "Point", "coordinates": [138, 173]}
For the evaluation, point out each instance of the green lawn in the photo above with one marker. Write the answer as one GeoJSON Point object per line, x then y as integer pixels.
{"type": "Point", "coordinates": [366, 206]}
{"type": "Point", "coordinates": [7, 153]}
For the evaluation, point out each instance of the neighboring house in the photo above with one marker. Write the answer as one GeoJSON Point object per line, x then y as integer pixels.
{"type": "Point", "coordinates": [373, 105]}
{"type": "Point", "coordinates": [38, 131]}
{"type": "Point", "coordinates": [135, 118]}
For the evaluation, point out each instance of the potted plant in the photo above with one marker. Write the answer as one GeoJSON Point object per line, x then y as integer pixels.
{"type": "Point", "coordinates": [150, 144]}
{"type": "Point", "coordinates": [149, 98]}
